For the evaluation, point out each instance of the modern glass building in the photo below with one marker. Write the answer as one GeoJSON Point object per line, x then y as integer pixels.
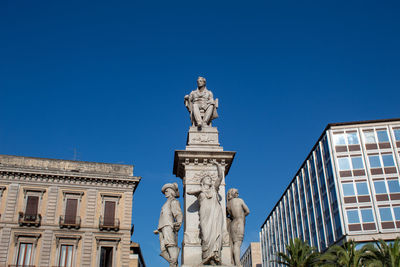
{"type": "Point", "coordinates": [347, 188]}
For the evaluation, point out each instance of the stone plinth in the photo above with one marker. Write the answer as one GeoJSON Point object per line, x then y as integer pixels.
{"type": "Point", "coordinates": [191, 165]}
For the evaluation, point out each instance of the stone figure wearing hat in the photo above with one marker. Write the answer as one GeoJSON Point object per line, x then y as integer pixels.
{"type": "Point", "coordinates": [201, 105]}
{"type": "Point", "coordinates": [236, 211]}
{"type": "Point", "coordinates": [169, 224]}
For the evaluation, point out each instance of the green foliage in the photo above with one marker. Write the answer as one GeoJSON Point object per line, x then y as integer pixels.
{"type": "Point", "coordinates": [346, 255]}
{"type": "Point", "coordinates": [383, 254]}
{"type": "Point", "coordinates": [298, 254]}
{"type": "Point", "coordinates": [378, 254]}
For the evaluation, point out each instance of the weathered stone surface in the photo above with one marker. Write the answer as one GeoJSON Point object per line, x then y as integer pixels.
{"type": "Point", "coordinates": [191, 165]}
{"type": "Point", "coordinates": [205, 139]}
{"type": "Point", "coordinates": [65, 165]}
{"type": "Point", "coordinates": [201, 105]}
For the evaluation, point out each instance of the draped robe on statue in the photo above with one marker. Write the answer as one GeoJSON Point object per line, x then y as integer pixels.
{"type": "Point", "coordinates": [211, 224]}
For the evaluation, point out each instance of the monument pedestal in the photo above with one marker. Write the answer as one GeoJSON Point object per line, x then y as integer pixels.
{"type": "Point", "coordinates": [191, 165]}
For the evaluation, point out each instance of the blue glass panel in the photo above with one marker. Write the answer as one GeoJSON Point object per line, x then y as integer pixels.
{"type": "Point", "coordinates": [374, 161]}
{"type": "Point", "coordinates": [380, 187]}
{"type": "Point", "coordinates": [362, 188]}
{"type": "Point", "coordinates": [367, 215]}
{"type": "Point", "coordinates": [352, 216]}
{"type": "Point", "coordinates": [357, 163]}
{"type": "Point", "coordinates": [325, 148]}
{"type": "Point", "coordinates": [352, 139]}
{"type": "Point", "coordinates": [396, 211]}
{"type": "Point", "coordinates": [369, 137]}
{"type": "Point", "coordinates": [397, 134]}
{"type": "Point", "coordinates": [344, 164]}
{"type": "Point", "coordinates": [338, 226]}
{"type": "Point", "coordinates": [394, 186]}
{"type": "Point", "coordinates": [348, 189]}
{"type": "Point", "coordinates": [338, 139]}
{"type": "Point", "coordinates": [388, 160]}
{"type": "Point", "coordinates": [382, 136]}
{"type": "Point", "coordinates": [386, 214]}
{"type": "Point", "coordinates": [329, 172]}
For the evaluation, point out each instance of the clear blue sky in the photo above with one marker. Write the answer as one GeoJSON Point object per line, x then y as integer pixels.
{"type": "Point", "coordinates": [108, 78]}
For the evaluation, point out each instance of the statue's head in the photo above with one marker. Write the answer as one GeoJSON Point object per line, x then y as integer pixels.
{"type": "Point", "coordinates": [170, 190]}
{"type": "Point", "coordinates": [232, 193]}
{"type": "Point", "coordinates": [201, 81]}
{"type": "Point", "coordinates": [206, 181]}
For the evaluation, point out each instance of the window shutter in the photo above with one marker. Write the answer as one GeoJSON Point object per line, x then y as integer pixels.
{"type": "Point", "coordinates": [32, 207]}
{"type": "Point", "coordinates": [70, 210]}
{"type": "Point", "coordinates": [109, 213]}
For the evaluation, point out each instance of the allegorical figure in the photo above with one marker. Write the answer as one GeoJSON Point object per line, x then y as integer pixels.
{"type": "Point", "coordinates": [236, 210]}
{"type": "Point", "coordinates": [201, 105]}
{"type": "Point", "coordinates": [211, 218]}
{"type": "Point", "coordinates": [169, 224]}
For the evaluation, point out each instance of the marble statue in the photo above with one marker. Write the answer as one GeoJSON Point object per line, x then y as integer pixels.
{"type": "Point", "coordinates": [236, 210]}
{"type": "Point", "coordinates": [211, 218]}
{"type": "Point", "coordinates": [201, 105]}
{"type": "Point", "coordinates": [169, 224]}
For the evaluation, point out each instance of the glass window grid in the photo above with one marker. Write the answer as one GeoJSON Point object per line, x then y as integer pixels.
{"type": "Point", "coordinates": [351, 161]}
{"type": "Point", "coordinates": [355, 216]}
{"type": "Point", "coordinates": [350, 137]}
{"type": "Point", "coordinates": [298, 210]}
{"type": "Point", "coordinates": [325, 148]}
{"type": "Point", "coordinates": [386, 184]}
{"type": "Point", "coordinates": [317, 204]}
{"type": "Point", "coordinates": [378, 136]}
{"type": "Point", "coordinates": [396, 134]}
{"type": "Point", "coordinates": [355, 188]}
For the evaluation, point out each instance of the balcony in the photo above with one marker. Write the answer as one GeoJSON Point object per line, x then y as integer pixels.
{"type": "Point", "coordinates": [108, 224]}
{"type": "Point", "coordinates": [70, 222]}
{"type": "Point", "coordinates": [29, 220]}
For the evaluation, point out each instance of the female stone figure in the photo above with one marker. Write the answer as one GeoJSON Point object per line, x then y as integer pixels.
{"type": "Point", "coordinates": [211, 218]}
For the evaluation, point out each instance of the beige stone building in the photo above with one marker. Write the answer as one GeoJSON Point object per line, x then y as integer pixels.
{"type": "Point", "coordinates": [252, 256]}
{"type": "Point", "coordinates": [66, 213]}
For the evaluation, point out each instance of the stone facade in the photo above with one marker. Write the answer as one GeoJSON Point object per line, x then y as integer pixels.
{"type": "Point", "coordinates": [252, 256]}
{"type": "Point", "coordinates": [65, 213]}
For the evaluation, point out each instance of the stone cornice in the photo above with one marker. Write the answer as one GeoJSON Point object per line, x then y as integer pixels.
{"type": "Point", "coordinates": [70, 178]}
{"type": "Point", "coordinates": [184, 157]}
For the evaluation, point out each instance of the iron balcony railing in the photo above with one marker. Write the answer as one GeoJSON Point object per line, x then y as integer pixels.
{"type": "Point", "coordinates": [108, 224]}
{"type": "Point", "coordinates": [70, 222]}
{"type": "Point", "coordinates": [29, 220]}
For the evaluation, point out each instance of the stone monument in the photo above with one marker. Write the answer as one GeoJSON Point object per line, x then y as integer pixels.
{"type": "Point", "coordinates": [202, 166]}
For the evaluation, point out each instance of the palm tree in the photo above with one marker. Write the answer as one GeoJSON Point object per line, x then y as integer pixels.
{"type": "Point", "coordinates": [384, 254]}
{"type": "Point", "coordinates": [345, 255]}
{"type": "Point", "coordinates": [298, 254]}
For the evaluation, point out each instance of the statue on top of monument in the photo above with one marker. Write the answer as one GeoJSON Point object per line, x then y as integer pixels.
{"type": "Point", "coordinates": [236, 210]}
{"type": "Point", "coordinates": [201, 105]}
{"type": "Point", "coordinates": [211, 217]}
{"type": "Point", "coordinates": [169, 224]}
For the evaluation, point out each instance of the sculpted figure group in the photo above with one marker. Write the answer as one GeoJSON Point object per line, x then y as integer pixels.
{"type": "Point", "coordinates": [211, 221]}
{"type": "Point", "coordinates": [203, 109]}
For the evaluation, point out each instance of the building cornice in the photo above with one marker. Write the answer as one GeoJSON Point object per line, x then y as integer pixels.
{"type": "Point", "coordinates": [70, 178]}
